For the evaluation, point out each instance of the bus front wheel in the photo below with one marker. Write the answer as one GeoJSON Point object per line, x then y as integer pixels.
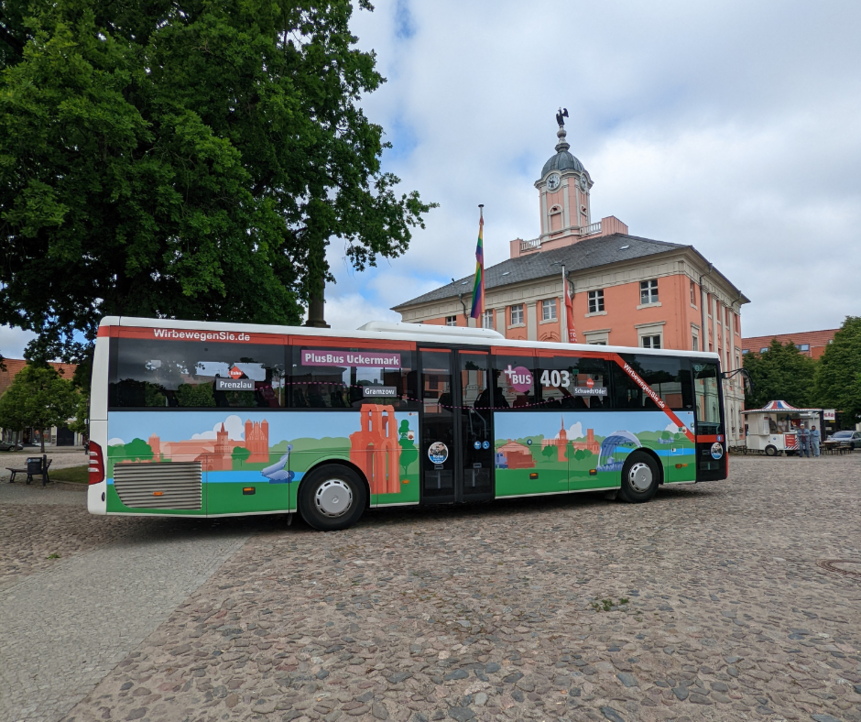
{"type": "Point", "coordinates": [640, 476]}
{"type": "Point", "coordinates": [770, 450]}
{"type": "Point", "coordinates": [332, 498]}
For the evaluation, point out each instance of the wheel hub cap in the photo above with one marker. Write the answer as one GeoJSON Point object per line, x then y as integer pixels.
{"type": "Point", "coordinates": [333, 498]}
{"type": "Point", "coordinates": [640, 476]}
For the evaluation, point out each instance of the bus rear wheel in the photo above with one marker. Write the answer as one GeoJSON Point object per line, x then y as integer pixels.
{"type": "Point", "coordinates": [770, 450]}
{"type": "Point", "coordinates": [640, 476]}
{"type": "Point", "coordinates": [332, 498]}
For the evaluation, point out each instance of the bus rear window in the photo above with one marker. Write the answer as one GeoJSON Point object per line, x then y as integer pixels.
{"type": "Point", "coordinates": [183, 374]}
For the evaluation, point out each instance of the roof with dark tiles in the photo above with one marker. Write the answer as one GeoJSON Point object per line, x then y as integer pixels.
{"type": "Point", "coordinates": [588, 253]}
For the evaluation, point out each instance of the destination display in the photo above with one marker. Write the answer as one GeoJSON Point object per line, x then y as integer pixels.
{"type": "Point", "coordinates": [362, 359]}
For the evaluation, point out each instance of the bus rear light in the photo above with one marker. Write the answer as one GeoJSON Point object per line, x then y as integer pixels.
{"type": "Point", "coordinates": [97, 464]}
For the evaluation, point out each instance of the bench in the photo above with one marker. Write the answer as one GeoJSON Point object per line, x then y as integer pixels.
{"type": "Point", "coordinates": [36, 466]}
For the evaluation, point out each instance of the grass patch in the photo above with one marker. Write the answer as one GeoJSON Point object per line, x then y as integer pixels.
{"type": "Point", "coordinates": [75, 474]}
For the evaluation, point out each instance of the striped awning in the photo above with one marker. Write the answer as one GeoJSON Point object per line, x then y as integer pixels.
{"type": "Point", "coordinates": [776, 406]}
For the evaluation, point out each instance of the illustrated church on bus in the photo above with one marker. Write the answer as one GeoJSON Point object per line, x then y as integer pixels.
{"type": "Point", "coordinates": [627, 290]}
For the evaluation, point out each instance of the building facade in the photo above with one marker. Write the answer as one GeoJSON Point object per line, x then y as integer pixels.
{"type": "Point", "coordinates": [626, 290]}
{"type": "Point", "coordinates": [810, 343]}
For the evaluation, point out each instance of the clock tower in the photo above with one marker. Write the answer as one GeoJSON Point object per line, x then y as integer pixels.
{"type": "Point", "coordinates": [563, 191]}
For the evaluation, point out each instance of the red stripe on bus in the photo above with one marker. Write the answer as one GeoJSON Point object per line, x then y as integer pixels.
{"type": "Point", "coordinates": [707, 438]}
{"type": "Point", "coordinates": [654, 396]}
{"type": "Point", "coordinates": [191, 334]}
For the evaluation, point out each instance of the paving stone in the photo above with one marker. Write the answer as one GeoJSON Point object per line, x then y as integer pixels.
{"type": "Point", "coordinates": [343, 626]}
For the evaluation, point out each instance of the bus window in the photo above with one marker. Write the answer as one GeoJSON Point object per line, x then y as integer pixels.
{"type": "Point", "coordinates": [707, 397]}
{"type": "Point", "coordinates": [668, 377]}
{"type": "Point", "coordinates": [627, 393]}
{"type": "Point", "coordinates": [569, 382]}
{"type": "Point", "coordinates": [514, 380]}
{"type": "Point", "coordinates": [343, 378]}
{"type": "Point", "coordinates": [146, 373]}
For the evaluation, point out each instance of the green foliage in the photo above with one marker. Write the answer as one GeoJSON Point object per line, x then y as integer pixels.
{"type": "Point", "coordinates": [548, 452]}
{"type": "Point", "coordinates": [195, 395]}
{"type": "Point", "coordinates": [137, 450]}
{"type": "Point", "coordinates": [184, 159]}
{"type": "Point", "coordinates": [781, 373]}
{"type": "Point", "coordinates": [409, 453]}
{"type": "Point", "coordinates": [240, 456]}
{"type": "Point", "coordinates": [37, 398]}
{"type": "Point", "coordinates": [838, 373]}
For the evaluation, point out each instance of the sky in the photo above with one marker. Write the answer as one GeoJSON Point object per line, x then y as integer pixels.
{"type": "Point", "coordinates": [731, 126]}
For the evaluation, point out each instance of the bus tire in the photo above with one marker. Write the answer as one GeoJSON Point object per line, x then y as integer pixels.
{"type": "Point", "coordinates": [640, 478]}
{"type": "Point", "coordinates": [770, 450]}
{"type": "Point", "coordinates": [332, 498]}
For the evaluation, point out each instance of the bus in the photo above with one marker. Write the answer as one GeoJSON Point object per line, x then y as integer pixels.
{"type": "Point", "coordinates": [206, 419]}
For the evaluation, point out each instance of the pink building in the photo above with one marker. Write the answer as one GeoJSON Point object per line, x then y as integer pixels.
{"type": "Point", "coordinates": [627, 290]}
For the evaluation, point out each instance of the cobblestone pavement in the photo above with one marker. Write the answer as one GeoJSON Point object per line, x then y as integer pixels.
{"type": "Point", "coordinates": [705, 604]}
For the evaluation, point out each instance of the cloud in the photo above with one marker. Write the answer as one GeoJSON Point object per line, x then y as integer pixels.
{"type": "Point", "coordinates": [575, 431]}
{"type": "Point", "coordinates": [13, 341]}
{"type": "Point", "coordinates": [116, 441]}
{"type": "Point", "coordinates": [232, 425]}
{"type": "Point", "coordinates": [700, 124]}
{"type": "Point", "coordinates": [672, 428]}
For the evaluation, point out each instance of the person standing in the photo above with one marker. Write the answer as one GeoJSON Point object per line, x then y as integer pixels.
{"type": "Point", "coordinates": [814, 441]}
{"type": "Point", "coordinates": [803, 448]}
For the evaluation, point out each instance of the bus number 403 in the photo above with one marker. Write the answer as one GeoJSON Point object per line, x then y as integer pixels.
{"type": "Point", "coordinates": [555, 378]}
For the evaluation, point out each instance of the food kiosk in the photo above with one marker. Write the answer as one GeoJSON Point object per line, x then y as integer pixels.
{"type": "Point", "coordinates": [773, 428]}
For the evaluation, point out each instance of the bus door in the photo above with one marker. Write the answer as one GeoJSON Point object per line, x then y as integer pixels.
{"type": "Point", "coordinates": [456, 426]}
{"type": "Point", "coordinates": [711, 442]}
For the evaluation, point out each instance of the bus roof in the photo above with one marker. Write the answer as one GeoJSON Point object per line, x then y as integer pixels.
{"type": "Point", "coordinates": [383, 330]}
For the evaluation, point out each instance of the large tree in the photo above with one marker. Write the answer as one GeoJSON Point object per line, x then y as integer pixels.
{"type": "Point", "coordinates": [781, 372]}
{"type": "Point", "coordinates": [184, 158]}
{"type": "Point", "coordinates": [38, 398]}
{"type": "Point", "coordinates": [838, 376]}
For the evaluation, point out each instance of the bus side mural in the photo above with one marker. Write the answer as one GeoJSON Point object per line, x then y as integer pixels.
{"type": "Point", "coordinates": [255, 459]}
{"type": "Point", "coordinates": [542, 452]}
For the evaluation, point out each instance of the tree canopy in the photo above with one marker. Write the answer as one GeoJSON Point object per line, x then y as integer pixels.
{"type": "Point", "coordinates": [781, 372]}
{"type": "Point", "coordinates": [838, 372]}
{"type": "Point", "coordinates": [37, 398]}
{"type": "Point", "coordinates": [181, 158]}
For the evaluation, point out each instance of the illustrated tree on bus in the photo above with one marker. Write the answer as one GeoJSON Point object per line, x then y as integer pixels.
{"type": "Point", "coordinates": [409, 453]}
{"type": "Point", "coordinates": [240, 456]}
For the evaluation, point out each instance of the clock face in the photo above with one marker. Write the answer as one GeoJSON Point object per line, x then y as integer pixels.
{"type": "Point", "coordinates": [582, 183]}
{"type": "Point", "coordinates": [553, 182]}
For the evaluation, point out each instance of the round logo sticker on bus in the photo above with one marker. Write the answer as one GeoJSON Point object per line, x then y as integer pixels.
{"type": "Point", "coordinates": [590, 382]}
{"type": "Point", "coordinates": [438, 452]}
{"type": "Point", "coordinates": [519, 377]}
{"type": "Point", "coordinates": [717, 450]}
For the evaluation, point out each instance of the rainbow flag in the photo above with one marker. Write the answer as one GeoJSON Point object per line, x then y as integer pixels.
{"type": "Point", "coordinates": [478, 287]}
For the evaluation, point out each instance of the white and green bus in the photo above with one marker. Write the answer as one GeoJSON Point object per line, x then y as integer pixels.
{"type": "Point", "coordinates": [219, 419]}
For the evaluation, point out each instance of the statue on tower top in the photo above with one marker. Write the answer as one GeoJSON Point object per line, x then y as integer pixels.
{"type": "Point", "coordinates": [563, 113]}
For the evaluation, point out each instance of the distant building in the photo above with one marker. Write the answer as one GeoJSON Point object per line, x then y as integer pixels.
{"type": "Point", "coordinates": [810, 343]}
{"type": "Point", "coordinates": [55, 436]}
{"type": "Point", "coordinates": [627, 290]}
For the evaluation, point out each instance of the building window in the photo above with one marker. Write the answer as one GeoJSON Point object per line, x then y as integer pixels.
{"type": "Point", "coordinates": [804, 347]}
{"type": "Point", "coordinates": [597, 343]}
{"type": "Point", "coordinates": [517, 314]}
{"type": "Point", "coordinates": [487, 319]}
{"type": "Point", "coordinates": [649, 291]}
{"type": "Point", "coordinates": [695, 342]}
{"type": "Point", "coordinates": [693, 295]}
{"type": "Point", "coordinates": [548, 310]}
{"type": "Point", "coordinates": [451, 320]}
{"type": "Point", "coordinates": [651, 341]}
{"type": "Point", "coordinates": [596, 301]}
{"type": "Point", "coordinates": [763, 349]}
{"type": "Point", "coordinates": [745, 351]}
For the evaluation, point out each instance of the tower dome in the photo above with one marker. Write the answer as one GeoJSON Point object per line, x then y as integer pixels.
{"type": "Point", "coordinates": [563, 160]}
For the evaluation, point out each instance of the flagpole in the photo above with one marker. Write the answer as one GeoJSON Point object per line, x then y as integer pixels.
{"type": "Point", "coordinates": [564, 333]}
